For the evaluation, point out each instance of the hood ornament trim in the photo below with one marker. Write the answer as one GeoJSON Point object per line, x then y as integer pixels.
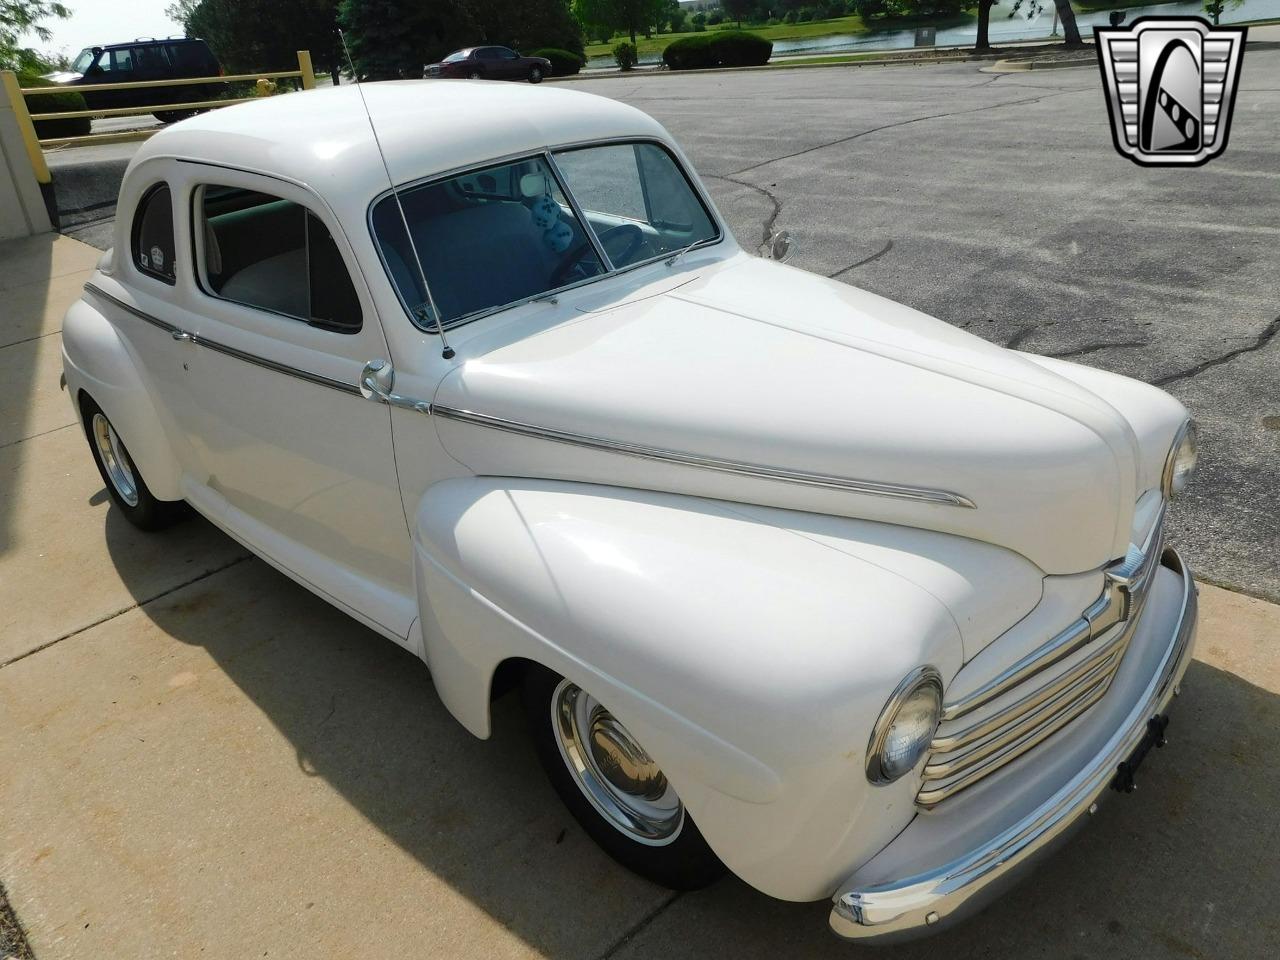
{"type": "Point", "coordinates": [756, 471]}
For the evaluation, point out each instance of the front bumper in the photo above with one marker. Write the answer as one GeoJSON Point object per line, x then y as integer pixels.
{"type": "Point", "coordinates": [871, 908]}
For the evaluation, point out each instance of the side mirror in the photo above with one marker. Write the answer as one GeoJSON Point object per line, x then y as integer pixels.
{"type": "Point", "coordinates": [780, 246]}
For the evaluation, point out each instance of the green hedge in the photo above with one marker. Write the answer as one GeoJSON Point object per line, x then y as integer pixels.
{"type": "Point", "coordinates": [737, 48]}
{"type": "Point", "coordinates": [724, 48]}
{"type": "Point", "coordinates": [54, 103]}
{"type": "Point", "coordinates": [564, 63]}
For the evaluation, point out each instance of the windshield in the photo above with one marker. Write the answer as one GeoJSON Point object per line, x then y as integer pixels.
{"type": "Point", "coordinates": [82, 61]}
{"type": "Point", "coordinates": [456, 56]}
{"type": "Point", "coordinates": [506, 234]}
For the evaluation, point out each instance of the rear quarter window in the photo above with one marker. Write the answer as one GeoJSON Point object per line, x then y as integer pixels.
{"type": "Point", "coordinates": [152, 244]}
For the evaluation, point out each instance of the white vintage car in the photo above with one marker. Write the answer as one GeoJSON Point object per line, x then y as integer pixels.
{"type": "Point", "coordinates": [795, 580]}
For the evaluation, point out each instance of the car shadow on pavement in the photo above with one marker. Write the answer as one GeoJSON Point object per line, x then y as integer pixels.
{"type": "Point", "coordinates": [1184, 868]}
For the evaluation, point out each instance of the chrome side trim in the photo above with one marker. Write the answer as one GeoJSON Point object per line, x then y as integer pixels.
{"type": "Point", "coordinates": [179, 334]}
{"type": "Point", "coordinates": [736, 467]}
{"type": "Point", "coordinates": [131, 309]}
{"type": "Point", "coordinates": [901, 909]}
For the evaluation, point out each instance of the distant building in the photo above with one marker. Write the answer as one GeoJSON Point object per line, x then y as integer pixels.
{"type": "Point", "coordinates": [692, 6]}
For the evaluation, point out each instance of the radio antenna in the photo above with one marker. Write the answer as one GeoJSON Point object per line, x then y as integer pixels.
{"type": "Point", "coordinates": [447, 352]}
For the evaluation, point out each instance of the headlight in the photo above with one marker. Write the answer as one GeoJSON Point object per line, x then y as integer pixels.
{"type": "Point", "coordinates": [906, 725]}
{"type": "Point", "coordinates": [1182, 460]}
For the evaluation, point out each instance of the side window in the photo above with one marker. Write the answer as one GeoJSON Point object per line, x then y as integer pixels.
{"type": "Point", "coordinates": [153, 247]}
{"type": "Point", "coordinates": [120, 61]}
{"type": "Point", "coordinates": [506, 54]}
{"type": "Point", "coordinates": [273, 254]}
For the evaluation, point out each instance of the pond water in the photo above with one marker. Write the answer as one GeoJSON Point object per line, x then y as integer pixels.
{"type": "Point", "coordinates": [1003, 29]}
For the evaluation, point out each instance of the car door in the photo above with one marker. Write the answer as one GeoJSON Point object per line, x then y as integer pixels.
{"type": "Point", "coordinates": [114, 66]}
{"type": "Point", "coordinates": [283, 446]}
{"type": "Point", "coordinates": [510, 63]}
{"type": "Point", "coordinates": [150, 63]}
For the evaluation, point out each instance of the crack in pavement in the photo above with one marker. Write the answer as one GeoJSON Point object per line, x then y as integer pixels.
{"type": "Point", "coordinates": [1264, 338]}
{"type": "Point", "coordinates": [770, 220]}
{"type": "Point", "coordinates": [123, 610]}
{"type": "Point", "coordinates": [1094, 348]}
{"type": "Point", "coordinates": [864, 261]}
{"type": "Point", "coordinates": [900, 123]}
{"type": "Point", "coordinates": [639, 927]}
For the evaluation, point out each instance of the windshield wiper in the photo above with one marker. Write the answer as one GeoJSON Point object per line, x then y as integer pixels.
{"type": "Point", "coordinates": [675, 257]}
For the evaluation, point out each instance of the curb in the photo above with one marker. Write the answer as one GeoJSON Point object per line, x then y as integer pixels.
{"type": "Point", "coordinates": [1019, 66]}
{"type": "Point", "coordinates": [783, 65]}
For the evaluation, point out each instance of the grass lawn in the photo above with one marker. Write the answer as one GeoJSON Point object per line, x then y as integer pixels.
{"type": "Point", "coordinates": [782, 31]}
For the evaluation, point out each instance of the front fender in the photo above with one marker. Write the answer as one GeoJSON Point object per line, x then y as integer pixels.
{"type": "Point", "coordinates": [96, 361]}
{"type": "Point", "coordinates": [751, 660]}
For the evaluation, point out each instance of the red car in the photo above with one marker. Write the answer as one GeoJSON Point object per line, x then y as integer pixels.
{"type": "Point", "coordinates": [489, 63]}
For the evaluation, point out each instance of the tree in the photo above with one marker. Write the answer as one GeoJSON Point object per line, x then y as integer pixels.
{"type": "Point", "coordinates": [626, 15]}
{"type": "Point", "coordinates": [737, 9]}
{"type": "Point", "coordinates": [1215, 8]}
{"type": "Point", "coordinates": [19, 18]}
{"type": "Point", "coordinates": [984, 22]}
{"type": "Point", "coordinates": [392, 39]}
{"type": "Point", "coordinates": [1070, 31]}
{"type": "Point", "coordinates": [249, 35]}
{"type": "Point", "coordinates": [527, 24]}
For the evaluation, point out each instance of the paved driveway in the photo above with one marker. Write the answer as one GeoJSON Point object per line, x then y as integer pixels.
{"type": "Point", "coordinates": [997, 203]}
{"type": "Point", "coordinates": [198, 758]}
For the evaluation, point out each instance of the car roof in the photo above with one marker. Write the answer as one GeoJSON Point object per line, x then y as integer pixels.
{"type": "Point", "coordinates": [144, 41]}
{"type": "Point", "coordinates": [426, 128]}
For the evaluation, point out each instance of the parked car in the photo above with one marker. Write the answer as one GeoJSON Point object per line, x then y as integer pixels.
{"type": "Point", "coordinates": [489, 63]}
{"type": "Point", "coordinates": [794, 579]}
{"type": "Point", "coordinates": [144, 60]}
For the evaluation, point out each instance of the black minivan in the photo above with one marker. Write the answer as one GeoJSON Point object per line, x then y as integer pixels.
{"type": "Point", "coordinates": [145, 59]}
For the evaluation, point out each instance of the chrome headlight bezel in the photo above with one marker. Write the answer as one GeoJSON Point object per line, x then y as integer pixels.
{"type": "Point", "coordinates": [924, 681]}
{"type": "Point", "coordinates": [1180, 463]}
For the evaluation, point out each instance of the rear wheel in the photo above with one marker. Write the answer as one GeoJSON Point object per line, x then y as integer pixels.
{"type": "Point", "coordinates": [613, 788]}
{"type": "Point", "coordinates": [535, 75]}
{"type": "Point", "coordinates": [124, 483]}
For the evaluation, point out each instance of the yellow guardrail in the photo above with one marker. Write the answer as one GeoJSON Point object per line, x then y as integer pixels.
{"type": "Point", "coordinates": [17, 98]}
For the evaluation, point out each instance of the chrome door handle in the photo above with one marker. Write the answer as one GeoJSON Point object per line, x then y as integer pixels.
{"type": "Point", "coordinates": [376, 382]}
{"type": "Point", "coordinates": [181, 335]}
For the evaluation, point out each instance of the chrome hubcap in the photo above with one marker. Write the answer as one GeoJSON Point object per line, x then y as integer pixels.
{"type": "Point", "coordinates": [119, 468]}
{"type": "Point", "coordinates": [613, 771]}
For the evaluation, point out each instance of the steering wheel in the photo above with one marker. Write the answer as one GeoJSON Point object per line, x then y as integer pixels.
{"type": "Point", "coordinates": [573, 258]}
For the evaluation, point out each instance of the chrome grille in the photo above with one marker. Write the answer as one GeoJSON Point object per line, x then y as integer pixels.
{"type": "Point", "coordinates": [1031, 700]}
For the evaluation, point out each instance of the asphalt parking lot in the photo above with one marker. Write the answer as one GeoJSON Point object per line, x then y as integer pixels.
{"type": "Point", "coordinates": [198, 757]}
{"type": "Point", "coordinates": [996, 202]}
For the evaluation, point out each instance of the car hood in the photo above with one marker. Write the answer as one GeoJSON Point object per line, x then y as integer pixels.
{"type": "Point", "coordinates": [63, 76]}
{"type": "Point", "coordinates": [754, 379]}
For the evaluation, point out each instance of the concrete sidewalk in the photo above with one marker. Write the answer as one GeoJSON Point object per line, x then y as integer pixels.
{"type": "Point", "coordinates": [199, 758]}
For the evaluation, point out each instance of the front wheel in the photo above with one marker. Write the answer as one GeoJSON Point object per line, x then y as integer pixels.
{"type": "Point", "coordinates": [535, 75]}
{"type": "Point", "coordinates": [124, 482]}
{"type": "Point", "coordinates": [474, 75]}
{"type": "Point", "coordinates": [613, 788]}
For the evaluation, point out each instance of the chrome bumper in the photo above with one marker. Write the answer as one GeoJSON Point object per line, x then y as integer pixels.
{"type": "Point", "coordinates": [925, 902]}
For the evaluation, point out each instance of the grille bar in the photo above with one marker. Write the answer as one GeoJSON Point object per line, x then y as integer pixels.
{"type": "Point", "coordinates": [962, 755]}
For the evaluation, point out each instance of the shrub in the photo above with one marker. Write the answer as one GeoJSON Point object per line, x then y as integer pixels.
{"type": "Point", "coordinates": [737, 48]}
{"type": "Point", "coordinates": [54, 103]}
{"type": "Point", "coordinates": [790, 17]}
{"type": "Point", "coordinates": [715, 17]}
{"type": "Point", "coordinates": [626, 56]}
{"type": "Point", "coordinates": [725, 48]}
{"type": "Point", "coordinates": [699, 22]}
{"type": "Point", "coordinates": [805, 15]}
{"type": "Point", "coordinates": [564, 63]}
{"type": "Point", "coordinates": [689, 53]}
